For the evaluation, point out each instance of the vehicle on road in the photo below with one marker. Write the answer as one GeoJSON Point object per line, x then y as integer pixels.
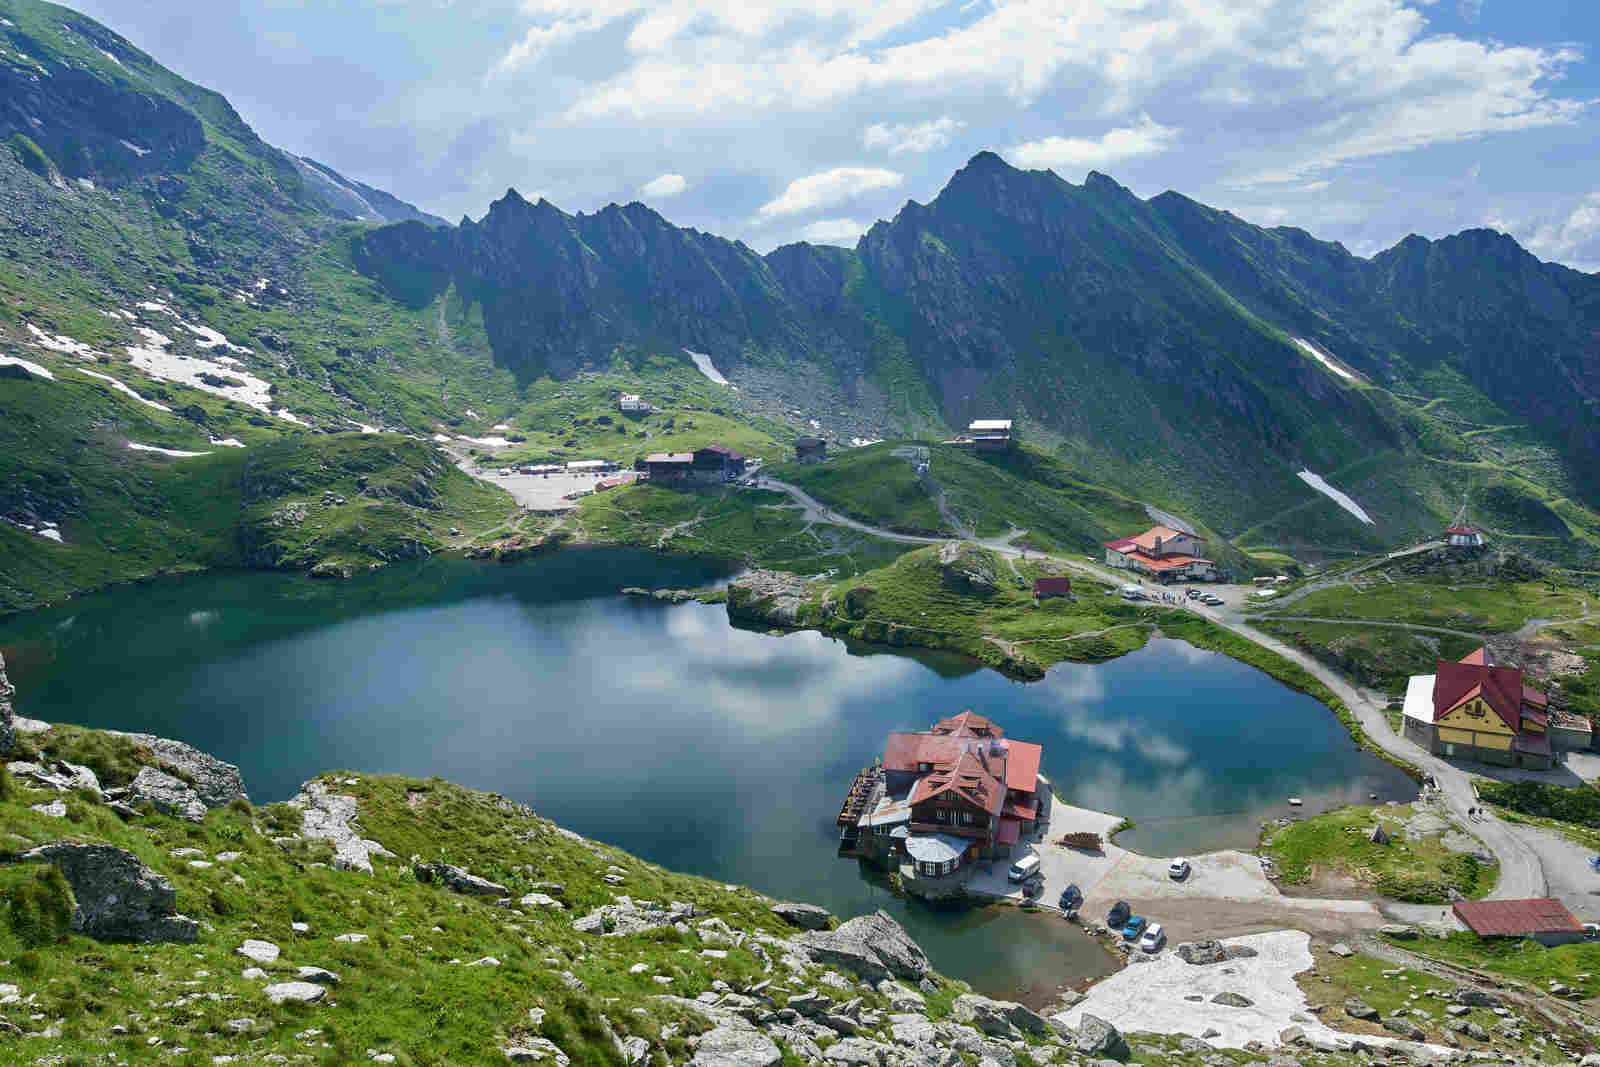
{"type": "Point", "coordinates": [1591, 931]}
{"type": "Point", "coordinates": [1023, 869]}
{"type": "Point", "coordinates": [1071, 898]}
{"type": "Point", "coordinates": [1178, 869]}
{"type": "Point", "coordinates": [1214, 601]}
{"type": "Point", "coordinates": [1135, 926]}
{"type": "Point", "coordinates": [1153, 938]}
{"type": "Point", "coordinates": [1118, 914]}
{"type": "Point", "coordinates": [1192, 594]}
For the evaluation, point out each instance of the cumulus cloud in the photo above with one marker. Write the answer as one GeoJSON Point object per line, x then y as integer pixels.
{"type": "Point", "coordinates": [827, 188]}
{"type": "Point", "coordinates": [833, 231]}
{"type": "Point", "coordinates": [1082, 153]}
{"type": "Point", "coordinates": [1571, 238]}
{"type": "Point", "coordinates": [664, 186]}
{"type": "Point", "coordinates": [911, 137]}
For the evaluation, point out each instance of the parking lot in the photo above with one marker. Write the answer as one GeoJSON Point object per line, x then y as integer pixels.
{"type": "Point", "coordinates": [545, 492]}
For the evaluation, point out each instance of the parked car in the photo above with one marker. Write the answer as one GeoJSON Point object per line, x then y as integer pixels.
{"type": "Point", "coordinates": [1192, 594]}
{"type": "Point", "coordinates": [1134, 927]}
{"type": "Point", "coordinates": [1118, 914]}
{"type": "Point", "coordinates": [1023, 869]}
{"type": "Point", "coordinates": [1214, 601]}
{"type": "Point", "coordinates": [1071, 898]}
{"type": "Point", "coordinates": [1178, 869]}
{"type": "Point", "coordinates": [1591, 931]}
{"type": "Point", "coordinates": [1153, 938]}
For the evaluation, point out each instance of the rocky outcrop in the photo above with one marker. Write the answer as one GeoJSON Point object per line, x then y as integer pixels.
{"type": "Point", "coordinates": [873, 947]}
{"type": "Point", "coordinates": [998, 1018]}
{"type": "Point", "coordinates": [116, 897]}
{"type": "Point", "coordinates": [805, 916]}
{"type": "Point", "coordinates": [731, 1045]}
{"type": "Point", "coordinates": [770, 597]}
{"type": "Point", "coordinates": [213, 781]}
{"type": "Point", "coordinates": [1098, 1039]}
{"type": "Point", "coordinates": [626, 917]}
{"type": "Point", "coordinates": [8, 730]}
{"type": "Point", "coordinates": [166, 793]}
{"type": "Point", "coordinates": [61, 776]}
{"type": "Point", "coordinates": [458, 880]}
{"type": "Point", "coordinates": [967, 569]}
{"type": "Point", "coordinates": [330, 817]}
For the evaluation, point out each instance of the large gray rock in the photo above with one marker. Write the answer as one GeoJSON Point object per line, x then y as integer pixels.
{"type": "Point", "coordinates": [1202, 953]}
{"type": "Point", "coordinates": [1475, 998]}
{"type": "Point", "coordinates": [772, 597]}
{"type": "Point", "coordinates": [967, 569]}
{"type": "Point", "coordinates": [1232, 1000]}
{"type": "Point", "coordinates": [855, 1052]}
{"type": "Point", "coordinates": [166, 793]}
{"type": "Point", "coordinates": [459, 880]}
{"type": "Point", "coordinates": [805, 916]}
{"type": "Point", "coordinates": [1098, 1039]}
{"type": "Point", "coordinates": [1404, 1027]}
{"type": "Point", "coordinates": [1357, 1008]}
{"type": "Point", "coordinates": [8, 729]}
{"type": "Point", "coordinates": [873, 947]}
{"type": "Point", "coordinates": [117, 898]}
{"type": "Point", "coordinates": [537, 1050]}
{"type": "Point", "coordinates": [736, 1046]}
{"type": "Point", "coordinates": [1000, 1018]}
{"type": "Point", "coordinates": [214, 782]}
{"type": "Point", "coordinates": [626, 917]}
{"type": "Point", "coordinates": [303, 992]}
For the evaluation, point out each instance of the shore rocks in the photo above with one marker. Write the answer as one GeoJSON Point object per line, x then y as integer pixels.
{"type": "Point", "coordinates": [999, 1018]}
{"type": "Point", "coordinates": [1098, 1039]}
{"type": "Point", "coordinates": [805, 916]}
{"type": "Point", "coordinates": [967, 569]}
{"type": "Point", "coordinates": [771, 597]}
{"type": "Point", "coordinates": [1232, 1000]}
{"type": "Point", "coordinates": [1357, 1008]}
{"type": "Point", "coordinates": [216, 783]}
{"type": "Point", "coordinates": [458, 880]}
{"type": "Point", "coordinates": [873, 947]}
{"type": "Point", "coordinates": [167, 794]}
{"type": "Point", "coordinates": [117, 897]}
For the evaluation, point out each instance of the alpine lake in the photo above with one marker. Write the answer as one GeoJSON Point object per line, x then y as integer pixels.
{"type": "Point", "coordinates": [668, 731]}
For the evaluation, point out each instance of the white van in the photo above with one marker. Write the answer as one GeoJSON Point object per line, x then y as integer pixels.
{"type": "Point", "coordinates": [1023, 869]}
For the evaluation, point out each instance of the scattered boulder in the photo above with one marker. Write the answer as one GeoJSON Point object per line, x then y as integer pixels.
{"type": "Point", "coordinates": [318, 975]}
{"type": "Point", "coordinates": [167, 794]}
{"type": "Point", "coordinates": [1098, 1039]}
{"type": "Point", "coordinates": [1342, 950]}
{"type": "Point", "coordinates": [540, 900]}
{"type": "Point", "coordinates": [1232, 1000]}
{"type": "Point", "coordinates": [1357, 1008]}
{"type": "Point", "coordinates": [1404, 1027]}
{"type": "Point", "coordinates": [56, 809]}
{"type": "Point", "coordinates": [805, 916]}
{"type": "Point", "coordinates": [259, 951]}
{"type": "Point", "coordinates": [854, 1052]}
{"type": "Point", "coordinates": [1209, 951]}
{"type": "Point", "coordinates": [736, 1046]}
{"type": "Point", "coordinates": [1475, 998]}
{"type": "Point", "coordinates": [1399, 931]}
{"type": "Point", "coordinates": [302, 992]}
{"type": "Point", "coordinates": [626, 917]}
{"type": "Point", "coordinates": [458, 880]}
{"type": "Point", "coordinates": [811, 1002]}
{"type": "Point", "coordinates": [537, 1050]}
{"type": "Point", "coordinates": [873, 947]}
{"type": "Point", "coordinates": [116, 897]}
{"type": "Point", "coordinates": [216, 783]}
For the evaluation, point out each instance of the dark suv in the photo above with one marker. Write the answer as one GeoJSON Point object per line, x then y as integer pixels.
{"type": "Point", "coordinates": [1119, 914]}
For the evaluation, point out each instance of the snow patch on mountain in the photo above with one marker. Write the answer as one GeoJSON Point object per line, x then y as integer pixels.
{"type": "Point", "coordinates": [703, 362]}
{"type": "Point", "coordinates": [1317, 482]}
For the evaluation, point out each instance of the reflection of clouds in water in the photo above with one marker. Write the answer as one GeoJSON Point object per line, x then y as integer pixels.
{"type": "Point", "coordinates": [731, 672]}
{"type": "Point", "coordinates": [1188, 653]}
{"type": "Point", "coordinates": [202, 618]}
{"type": "Point", "coordinates": [1109, 787]}
{"type": "Point", "coordinates": [1083, 716]}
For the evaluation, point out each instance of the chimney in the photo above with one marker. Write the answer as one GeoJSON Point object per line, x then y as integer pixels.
{"type": "Point", "coordinates": [1158, 544]}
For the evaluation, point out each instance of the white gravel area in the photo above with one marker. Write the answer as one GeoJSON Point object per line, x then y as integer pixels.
{"type": "Point", "coordinates": [1152, 997]}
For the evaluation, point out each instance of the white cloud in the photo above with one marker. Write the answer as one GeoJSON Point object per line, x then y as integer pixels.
{"type": "Point", "coordinates": [828, 187]}
{"type": "Point", "coordinates": [911, 137]}
{"type": "Point", "coordinates": [1087, 153]}
{"type": "Point", "coordinates": [833, 231]}
{"type": "Point", "coordinates": [1574, 238]}
{"type": "Point", "coordinates": [664, 186]}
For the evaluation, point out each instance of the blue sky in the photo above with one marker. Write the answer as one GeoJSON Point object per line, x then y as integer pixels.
{"type": "Point", "coordinates": [775, 120]}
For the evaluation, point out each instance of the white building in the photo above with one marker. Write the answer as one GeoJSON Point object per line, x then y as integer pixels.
{"type": "Point", "coordinates": [633, 404]}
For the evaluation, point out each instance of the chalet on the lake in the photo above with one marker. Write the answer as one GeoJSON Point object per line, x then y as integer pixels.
{"type": "Point", "coordinates": [712, 463]}
{"type": "Point", "coordinates": [1473, 709]}
{"type": "Point", "coordinates": [948, 796]}
{"type": "Point", "coordinates": [1162, 553]}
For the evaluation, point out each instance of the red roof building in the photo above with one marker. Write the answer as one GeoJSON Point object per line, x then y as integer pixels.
{"type": "Point", "coordinates": [1475, 709]}
{"type": "Point", "coordinates": [1544, 919]}
{"type": "Point", "coordinates": [1162, 553]}
{"type": "Point", "coordinates": [1045, 588]}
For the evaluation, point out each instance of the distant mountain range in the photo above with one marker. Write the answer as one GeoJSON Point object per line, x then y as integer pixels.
{"type": "Point", "coordinates": [1167, 348]}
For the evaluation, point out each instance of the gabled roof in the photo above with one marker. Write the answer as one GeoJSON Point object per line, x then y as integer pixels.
{"type": "Point", "coordinates": [1500, 687]}
{"type": "Point", "coordinates": [721, 450]}
{"type": "Point", "coordinates": [670, 457]}
{"type": "Point", "coordinates": [1530, 695]}
{"type": "Point", "coordinates": [1516, 918]}
{"type": "Point", "coordinates": [1463, 530]}
{"type": "Point", "coordinates": [990, 426]}
{"type": "Point", "coordinates": [1147, 540]}
{"type": "Point", "coordinates": [1022, 765]}
{"type": "Point", "coordinates": [969, 723]}
{"type": "Point", "coordinates": [968, 778]}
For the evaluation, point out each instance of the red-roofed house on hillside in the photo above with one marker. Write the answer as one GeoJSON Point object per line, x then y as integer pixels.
{"type": "Point", "coordinates": [1474, 709]}
{"type": "Point", "coordinates": [1544, 919]}
{"type": "Point", "coordinates": [1162, 553]}
{"type": "Point", "coordinates": [957, 792]}
{"type": "Point", "coordinates": [1045, 588]}
{"type": "Point", "coordinates": [1463, 536]}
